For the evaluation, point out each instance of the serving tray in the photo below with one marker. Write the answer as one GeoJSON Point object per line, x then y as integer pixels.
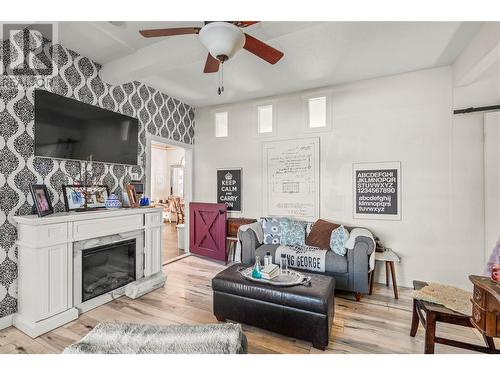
{"type": "Point", "coordinates": [292, 278]}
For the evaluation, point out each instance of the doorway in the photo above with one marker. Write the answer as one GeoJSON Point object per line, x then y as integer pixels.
{"type": "Point", "coordinates": [169, 185]}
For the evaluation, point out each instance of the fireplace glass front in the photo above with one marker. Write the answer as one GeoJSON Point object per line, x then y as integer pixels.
{"type": "Point", "coordinates": [107, 267]}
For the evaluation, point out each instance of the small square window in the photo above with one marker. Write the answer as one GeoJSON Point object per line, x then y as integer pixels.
{"type": "Point", "coordinates": [265, 118]}
{"type": "Point", "coordinates": [221, 124]}
{"type": "Point", "coordinates": [317, 112]}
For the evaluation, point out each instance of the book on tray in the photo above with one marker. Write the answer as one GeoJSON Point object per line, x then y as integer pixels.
{"type": "Point", "coordinates": [270, 271]}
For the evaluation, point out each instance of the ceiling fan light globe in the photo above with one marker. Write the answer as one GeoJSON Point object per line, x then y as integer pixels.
{"type": "Point", "coordinates": [222, 39]}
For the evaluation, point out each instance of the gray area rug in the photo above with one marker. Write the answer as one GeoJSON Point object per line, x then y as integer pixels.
{"type": "Point", "coordinates": [119, 338]}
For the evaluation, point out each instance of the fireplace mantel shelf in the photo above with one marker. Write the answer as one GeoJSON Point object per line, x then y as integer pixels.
{"type": "Point", "coordinates": [64, 217]}
{"type": "Point", "coordinates": [49, 260]}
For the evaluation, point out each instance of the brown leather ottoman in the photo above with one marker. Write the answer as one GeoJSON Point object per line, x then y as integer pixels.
{"type": "Point", "coordinates": [299, 311]}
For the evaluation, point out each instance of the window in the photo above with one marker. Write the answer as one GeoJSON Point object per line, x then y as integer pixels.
{"type": "Point", "coordinates": [317, 112]}
{"type": "Point", "coordinates": [221, 124]}
{"type": "Point", "coordinates": [265, 118]}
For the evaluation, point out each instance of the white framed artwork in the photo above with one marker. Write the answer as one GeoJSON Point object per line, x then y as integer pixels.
{"type": "Point", "coordinates": [291, 178]}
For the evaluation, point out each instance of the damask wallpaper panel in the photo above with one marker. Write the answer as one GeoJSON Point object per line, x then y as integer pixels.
{"type": "Point", "coordinates": [77, 77]}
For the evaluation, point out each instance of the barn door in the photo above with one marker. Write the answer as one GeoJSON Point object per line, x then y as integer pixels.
{"type": "Point", "coordinates": [207, 234]}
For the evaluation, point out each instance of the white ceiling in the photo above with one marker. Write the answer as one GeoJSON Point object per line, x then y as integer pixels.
{"type": "Point", "coordinates": [316, 54]}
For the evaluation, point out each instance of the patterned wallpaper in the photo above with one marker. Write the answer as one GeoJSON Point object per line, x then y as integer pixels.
{"type": "Point", "coordinates": [77, 77]}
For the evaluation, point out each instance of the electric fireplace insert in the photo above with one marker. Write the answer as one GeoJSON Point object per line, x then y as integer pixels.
{"type": "Point", "coordinates": [107, 267]}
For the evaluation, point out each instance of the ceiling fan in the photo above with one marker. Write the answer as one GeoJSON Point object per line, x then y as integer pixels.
{"type": "Point", "coordinates": [223, 39]}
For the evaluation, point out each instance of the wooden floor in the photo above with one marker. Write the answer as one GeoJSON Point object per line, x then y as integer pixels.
{"type": "Point", "coordinates": [377, 324]}
{"type": "Point", "coordinates": [170, 248]}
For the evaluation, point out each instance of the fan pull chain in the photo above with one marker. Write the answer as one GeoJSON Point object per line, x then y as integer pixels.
{"type": "Point", "coordinates": [220, 90]}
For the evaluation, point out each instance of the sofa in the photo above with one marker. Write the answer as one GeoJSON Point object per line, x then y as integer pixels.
{"type": "Point", "coordinates": [350, 271]}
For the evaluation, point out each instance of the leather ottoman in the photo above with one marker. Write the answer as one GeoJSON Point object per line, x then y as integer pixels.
{"type": "Point", "coordinates": [303, 312]}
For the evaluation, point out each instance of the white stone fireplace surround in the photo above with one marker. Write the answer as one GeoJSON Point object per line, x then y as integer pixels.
{"type": "Point", "coordinates": [80, 246]}
{"type": "Point", "coordinates": [49, 260]}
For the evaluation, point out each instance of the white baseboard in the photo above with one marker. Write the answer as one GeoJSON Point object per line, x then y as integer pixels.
{"type": "Point", "coordinates": [6, 321]}
{"type": "Point", "coordinates": [35, 329]}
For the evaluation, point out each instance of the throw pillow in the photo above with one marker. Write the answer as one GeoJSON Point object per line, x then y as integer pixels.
{"type": "Point", "coordinates": [293, 232]}
{"type": "Point", "coordinates": [321, 234]}
{"type": "Point", "coordinates": [338, 239]}
{"type": "Point", "coordinates": [272, 230]}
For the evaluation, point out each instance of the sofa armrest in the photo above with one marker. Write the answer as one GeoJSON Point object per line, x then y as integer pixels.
{"type": "Point", "coordinates": [249, 244]}
{"type": "Point", "coordinates": [359, 262]}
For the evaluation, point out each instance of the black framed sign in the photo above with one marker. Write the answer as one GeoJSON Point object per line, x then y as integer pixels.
{"type": "Point", "coordinates": [229, 188]}
{"type": "Point", "coordinates": [377, 190]}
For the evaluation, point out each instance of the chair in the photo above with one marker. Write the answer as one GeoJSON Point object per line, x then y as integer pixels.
{"type": "Point", "coordinates": [178, 208]}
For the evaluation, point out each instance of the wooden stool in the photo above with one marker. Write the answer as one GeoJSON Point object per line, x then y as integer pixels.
{"type": "Point", "coordinates": [429, 314]}
{"type": "Point", "coordinates": [388, 257]}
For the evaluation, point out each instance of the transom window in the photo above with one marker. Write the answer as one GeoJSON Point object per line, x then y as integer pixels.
{"type": "Point", "coordinates": [221, 124]}
{"type": "Point", "coordinates": [317, 112]}
{"type": "Point", "coordinates": [265, 118]}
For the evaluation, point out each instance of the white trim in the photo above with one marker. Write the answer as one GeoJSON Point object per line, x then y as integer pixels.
{"type": "Point", "coordinates": [35, 329]}
{"type": "Point", "coordinates": [188, 176]}
{"type": "Point", "coordinates": [6, 321]}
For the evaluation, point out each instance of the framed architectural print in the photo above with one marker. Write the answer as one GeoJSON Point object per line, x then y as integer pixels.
{"type": "Point", "coordinates": [377, 190]}
{"type": "Point", "coordinates": [41, 199]}
{"type": "Point", "coordinates": [291, 178]}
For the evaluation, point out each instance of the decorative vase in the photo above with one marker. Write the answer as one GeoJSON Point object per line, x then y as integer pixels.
{"type": "Point", "coordinates": [256, 273]}
{"type": "Point", "coordinates": [113, 202]}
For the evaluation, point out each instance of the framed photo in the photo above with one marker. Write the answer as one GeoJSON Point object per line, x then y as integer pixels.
{"type": "Point", "coordinates": [42, 200]}
{"type": "Point", "coordinates": [377, 190]}
{"type": "Point", "coordinates": [132, 196]}
{"type": "Point", "coordinates": [74, 196]}
{"type": "Point", "coordinates": [229, 186]}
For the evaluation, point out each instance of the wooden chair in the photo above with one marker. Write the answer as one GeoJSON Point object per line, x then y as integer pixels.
{"type": "Point", "coordinates": [179, 210]}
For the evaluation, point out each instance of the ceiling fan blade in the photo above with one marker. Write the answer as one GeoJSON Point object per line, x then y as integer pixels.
{"type": "Point", "coordinates": [211, 65]}
{"type": "Point", "coordinates": [244, 23]}
{"type": "Point", "coordinates": [169, 32]}
{"type": "Point", "coordinates": [263, 50]}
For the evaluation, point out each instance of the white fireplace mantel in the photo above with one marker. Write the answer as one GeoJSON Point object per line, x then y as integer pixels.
{"type": "Point", "coordinates": [46, 296]}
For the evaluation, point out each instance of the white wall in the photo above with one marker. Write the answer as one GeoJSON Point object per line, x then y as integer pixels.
{"type": "Point", "coordinates": [405, 118]}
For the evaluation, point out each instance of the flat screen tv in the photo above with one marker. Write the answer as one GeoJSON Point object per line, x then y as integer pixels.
{"type": "Point", "coordinates": [68, 129]}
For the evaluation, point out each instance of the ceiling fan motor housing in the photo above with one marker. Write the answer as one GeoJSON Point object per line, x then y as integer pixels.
{"type": "Point", "coordinates": [222, 39]}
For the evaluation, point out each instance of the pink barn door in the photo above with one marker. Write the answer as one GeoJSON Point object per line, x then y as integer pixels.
{"type": "Point", "coordinates": [207, 230]}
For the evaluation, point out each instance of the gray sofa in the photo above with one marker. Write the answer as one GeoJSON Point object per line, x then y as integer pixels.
{"type": "Point", "coordinates": [350, 271]}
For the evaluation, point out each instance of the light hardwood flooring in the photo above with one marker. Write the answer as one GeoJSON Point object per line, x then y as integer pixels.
{"type": "Point", "coordinates": [376, 324]}
{"type": "Point", "coordinates": [170, 249]}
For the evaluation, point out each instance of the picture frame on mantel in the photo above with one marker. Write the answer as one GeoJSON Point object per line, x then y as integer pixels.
{"type": "Point", "coordinates": [377, 190]}
{"type": "Point", "coordinates": [41, 200]}
{"type": "Point", "coordinates": [132, 196]}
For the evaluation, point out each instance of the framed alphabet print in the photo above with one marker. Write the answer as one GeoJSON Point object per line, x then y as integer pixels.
{"type": "Point", "coordinates": [377, 191]}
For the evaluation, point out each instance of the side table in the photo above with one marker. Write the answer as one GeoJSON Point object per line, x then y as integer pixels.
{"type": "Point", "coordinates": [388, 257]}
{"type": "Point", "coordinates": [429, 314]}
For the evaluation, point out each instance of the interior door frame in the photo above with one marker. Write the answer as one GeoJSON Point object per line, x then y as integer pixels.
{"type": "Point", "coordinates": [188, 176]}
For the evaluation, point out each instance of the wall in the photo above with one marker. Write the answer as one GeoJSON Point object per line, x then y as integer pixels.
{"type": "Point", "coordinates": [407, 118]}
{"type": "Point", "coordinates": [77, 77]}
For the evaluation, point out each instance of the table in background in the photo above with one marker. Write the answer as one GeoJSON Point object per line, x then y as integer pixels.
{"type": "Point", "coordinates": [388, 257]}
{"type": "Point", "coordinates": [486, 305]}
